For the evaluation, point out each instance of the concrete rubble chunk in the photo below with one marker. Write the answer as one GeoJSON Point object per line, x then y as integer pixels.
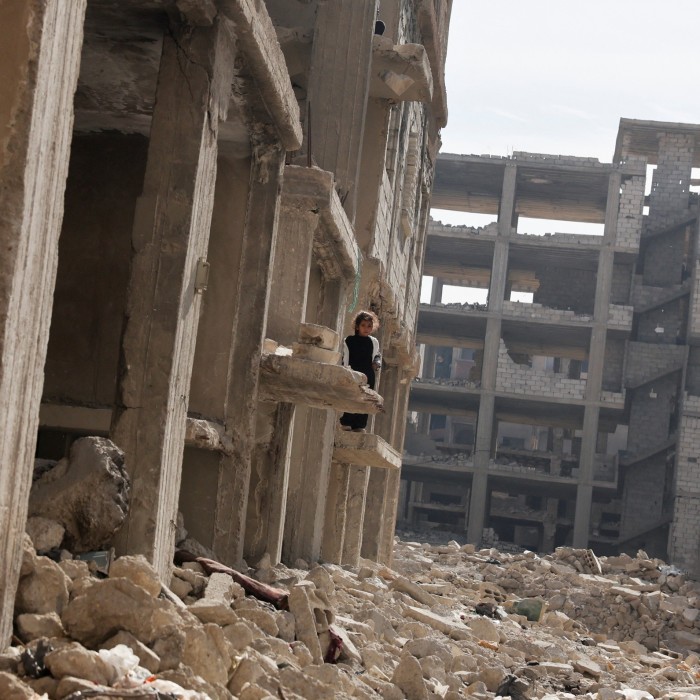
{"type": "Point", "coordinates": [320, 336]}
{"type": "Point", "coordinates": [408, 676]}
{"type": "Point", "coordinates": [12, 688]}
{"type": "Point", "coordinates": [87, 493]}
{"type": "Point", "coordinates": [31, 626]}
{"type": "Point", "coordinates": [138, 571]}
{"type": "Point", "coordinates": [44, 590]}
{"type": "Point", "coordinates": [46, 534]}
{"type": "Point", "coordinates": [147, 658]}
{"type": "Point", "coordinates": [76, 660]}
{"type": "Point", "coordinates": [114, 604]}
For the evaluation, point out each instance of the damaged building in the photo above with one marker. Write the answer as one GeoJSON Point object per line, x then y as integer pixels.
{"type": "Point", "coordinates": [564, 408]}
{"type": "Point", "coordinates": [195, 197]}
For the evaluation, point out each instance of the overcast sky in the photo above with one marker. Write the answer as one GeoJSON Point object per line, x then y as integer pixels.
{"type": "Point", "coordinates": [556, 76]}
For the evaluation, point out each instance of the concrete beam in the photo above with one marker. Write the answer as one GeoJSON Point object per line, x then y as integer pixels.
{"type": "Point", "coordinates": [256, 40]}
{"type": "Point", "coordinates": [334, 245]}
{"type": "Point", "coordinates": [170, 235]}
{"type": "Point", "coordinates": [39, 66]}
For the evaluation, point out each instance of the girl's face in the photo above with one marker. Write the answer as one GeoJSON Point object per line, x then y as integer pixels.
{"type": "Point", "coordinates": [365, 328]}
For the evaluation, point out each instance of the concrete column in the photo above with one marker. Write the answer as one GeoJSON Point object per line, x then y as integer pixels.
{"type": "Point", "coordinates": [267, 502]}
{"type": "Point", "coordinates": [171, 232]}
{"type": "Point", "coordinates": [312, 452]}
{"type": "Point", "coordinates": [375, 516]}
{"type": "Point", "coordinates": [339, 89]}
{"type": "Point", "coordinates": [355, 515]}
{"type": "Point", "coordinates": [310, 475]}
{"type": "Point", "coordinates": [39, 66]}
{"type": "Point", "coordinates": [252, 299]}
{"type": "Point", "coordinates": [267, 495]}
{"type": "Point", "coordinates": [335, 515]}
{"type": "Point", "coordinates": [596, 360]}
{"type": "Point", "coordinates": [393, 485]}
{"type": "Point", "coordinates": [256, 267]}
{"type": "Point", "coordinates": [478, 499]}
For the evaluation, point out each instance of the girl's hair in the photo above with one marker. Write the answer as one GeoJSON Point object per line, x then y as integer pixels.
{"type": "Point", "coordinates": [366, 316]}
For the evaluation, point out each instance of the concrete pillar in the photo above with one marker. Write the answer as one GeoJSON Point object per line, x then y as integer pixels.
{"type": "Point", "coordinates": [355, 514]}
{"type": "Point", "coordinates": [250, 319]}
{"type": "Point", "coordinates": [384, 426]}
{"type": "Point", "coordinates": [335, 515]}
{"type": "Point", "coordinates": [393, 485]}
{"type": "Point", "coordinates": [478, 499]}
{"type": "Point", "coordinates": [39, 66]}
{"type": "Point", "coordinates": [339, 90]}
{"type": "Point", "coordinates": [267, 502]}
{"type": "Point", "coordinates": [267, 495]}
{"type": "Point", "coordinates": [596, 360]}
{"type": "Point", "coordinates": [312, 449]}
{"type": "Point", "coordinates": [312, 452]}
{"type": "Point", "coordinates": [170, 235]}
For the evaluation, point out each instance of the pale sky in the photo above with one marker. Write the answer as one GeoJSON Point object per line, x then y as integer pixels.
{"type": "Point", "coordinates": [556, 76]}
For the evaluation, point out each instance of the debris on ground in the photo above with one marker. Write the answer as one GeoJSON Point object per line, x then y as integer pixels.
{"type": "Point", "coordinates": [444, 622]}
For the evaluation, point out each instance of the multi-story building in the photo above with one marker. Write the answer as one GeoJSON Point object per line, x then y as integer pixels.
{"type": "Point", "coordinates": [194, 199]}
{"type": "Point", "coordinates": [563, 409]}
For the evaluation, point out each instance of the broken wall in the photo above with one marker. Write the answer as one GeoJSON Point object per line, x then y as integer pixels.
{"type": "Point", "coordinates": [566, 288]}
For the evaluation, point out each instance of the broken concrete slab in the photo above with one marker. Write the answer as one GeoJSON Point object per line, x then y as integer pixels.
{"type": "Point", "coordinates": [295, 380]}
{"type": "Point", "coordinates": [365, 449]}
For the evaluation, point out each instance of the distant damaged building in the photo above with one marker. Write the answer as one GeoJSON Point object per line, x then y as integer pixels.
{"type": "Point", "coordinates": [194, 198]}
{"type": "Point", "coordinates": [565, 407]}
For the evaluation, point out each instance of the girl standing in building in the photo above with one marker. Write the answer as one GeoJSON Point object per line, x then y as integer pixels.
{"type": "Point", "coordinates": [361, 353]}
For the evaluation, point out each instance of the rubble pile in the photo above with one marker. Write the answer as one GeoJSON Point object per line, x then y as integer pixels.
{"type": "Point", "coordinates": [446, 622]}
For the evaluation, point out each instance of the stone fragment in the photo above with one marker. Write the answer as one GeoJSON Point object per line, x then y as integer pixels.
{"type": "Point", "coordinates": [88, 493]}
{"type": "Point", "coordinates": [222, 588]}
{"type": "Point", "coordinates": [139, 571]}
{"type": "Point", "coordinates": [312, 616]}
{"type": "Point", "coordinates": [484, 629]}
{"type": "Point", "coordinates": [75, 660]}
{"type": "Point", "coordinates": [264, 619]}
{"type": "Point", "coordinates": [408, 676]}
{"type": "Point", "coordinates": [438, 622]}
{"type": "Point", "coordinates": [214, 611]}
{"type": "Point", "coordinates": [414, 590]}
{"type": "Point", "coordinates": [46, 534]}
{"type": "Point", "coordinates": [587, 667]}
{"type": "Point", "coordinates": [180, 587]}
{"type": "Point", "coordinates": [12, 688]}
{"type": "Point", "coordinates": [31, 626]}
{"type": "Point", "coordinates": [114, 604]}
{"type": "Point", "coordinates": [207, 653]}
{"type": "Point", "coordinates": [147, 658]}
{"type": "Point", "coordinates": [75, 569]}
{"type": "Point", "coordinates": [44, 590]}
{"type": "Point", "coordinates": [239, 635]}
{"type": "Point", "coordinates": [323, 581]}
